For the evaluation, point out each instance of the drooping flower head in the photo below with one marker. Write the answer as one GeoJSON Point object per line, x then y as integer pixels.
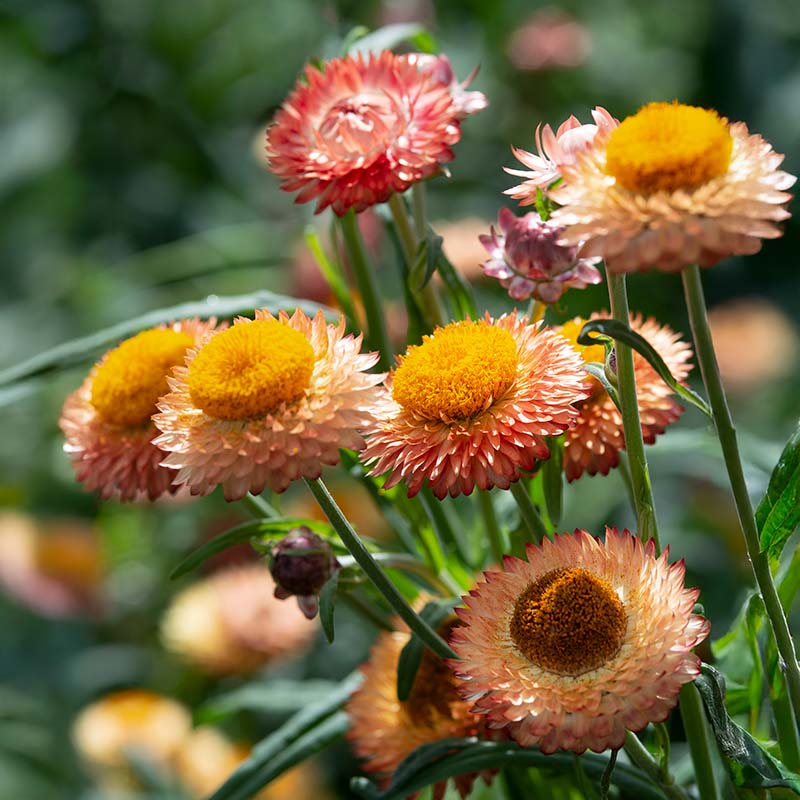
{"type": "Point", "coordinates": [265, 402]}
{"type": "Point", "coordinates": [555, 151]}
{"type": "Point", "coordinates": [363, 128]}
{"type": "Point", "coordinates": [385, 730]}
{"type": "Point", "coordinates": [580, 642]}
{"type": "Point", "coordinates": [302, 562]}
{"type": "Point", "coordinates": [529, 261]}
{"type": "Point", "coordinates": [232, 624]}
{"type": "Point", "coordinates": [466, 103]}
{"type": "Point", "coordinates": [594, 443]}
{"type": "Point", "coordinates": [471, 405]}
{"type": "Point", "coordinates": [107, 421]}
{"type": "Point", "coordinates": [673, 185]}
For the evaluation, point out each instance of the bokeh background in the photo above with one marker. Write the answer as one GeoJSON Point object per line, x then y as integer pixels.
{"type": "Point", "coordinates": [132, 178]}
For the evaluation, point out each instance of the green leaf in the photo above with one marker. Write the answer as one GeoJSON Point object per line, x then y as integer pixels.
{"type": "Point", "coordinates": [778, 514]}
{"type": "Point", "coordinates": [458, 288]}
{"type": "Point", "coordinates": [448, 758]}
{"type": "Point", "coordinates": [390, 36]}
{"type": "Point", "coordinates": [327, 603]}
{"type": "Point", "coordinates": [429, 252]}
{"type": "Point", "coordinates": [622, 333]}
{"type": "Point", "coordinates": [553, 479]}
{"type": "Point", "coordinates": [598, 371]}
{"type": "Point", "coordinates": [435, 613]}
{"type": "Point", "coordinates": [242, 533]}
{"type": "Point", "coordinates": [78, 350]}
{"type": "Point", "coordinates": [749, 764]}
{"type": "Point", "coordinates": [314, 727]}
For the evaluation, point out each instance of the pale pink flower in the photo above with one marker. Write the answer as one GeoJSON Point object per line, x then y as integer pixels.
{"type": "Point", "coordinates": [579, 643]}
{"type": "Point", "coordinates": [466, 103]}
{"type": "Point", "coordinates": [550, 39]}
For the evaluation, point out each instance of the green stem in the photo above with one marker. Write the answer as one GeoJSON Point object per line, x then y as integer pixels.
{"type": "Point", "coordinates": [420, 213]}
{"type": "Point", "coordinates": [496, 538]}
{"type": "Point", "coordinates": [605, 779]}
{"type": "Point", "coordinates": [529, 513]}
{"type": "Point", "coordinates": [699, 736]}
{"type": "Point", "coordinates": [373, 571]}
{"type": "Point", "coordinates": [368, 287]}
{"type": "Point", "coordinates": [332, 275]}
{"type": "Point", "coordinates": [536, 311]}
{"type": "Point", "coordinates": [698, 318]}
{"type": "Point", "coordinates": [632, 427]}
{"type": "Point", "coordinates": [259, 507]}
{"type": "Point", "coordinates": [409, 241]}
{"type": "Point", "coordinates": [640, 756]}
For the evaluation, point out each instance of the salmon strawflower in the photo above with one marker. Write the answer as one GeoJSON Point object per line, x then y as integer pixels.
{"type": "Point", "coordinates": [107, 421]}
{"type": "Point", "coordinates": [594, 443]}
{"type": "Point", "coordinates": [385, 730]}
{"type": "Point", "coordinates": [363, 128]}
{"type": "Point", "coordinates": [579, 643]}
{"type": "Point", "coordinates": [472, 404]}
{"type": "Point", "coordinates": [555, 151]}
{"type": "Point", "coordinates": [673, 185]}
{"type": "Point", "coordinates": [264, 403]}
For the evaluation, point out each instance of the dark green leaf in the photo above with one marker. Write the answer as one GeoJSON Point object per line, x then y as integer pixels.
{"type": "Point", "coordinates": [242, 533]}
{"type": "Point", "coordinates": [327, 603]}
{"type": "Point", "coordinates": [78, 350]}
{"type": "Point", "coordinates": [285, 747]}
{"type": "Point", "coordinates": [428, 254]}
{"type": "Point", "coordinates": [598, 370]}
{"type": "Point", "coordinates": [553, 479]}
{"type": "Point", "coordinates": [748, 763]}
{"type": "Point", "coordinates": [778, 514]}
{"type": "Point", "coordinates": [390, 36]}
{"type": "Point", "coordinates": [435, 613]}
{"type": "Point", "coordinates": [448, 758]}
{"type": "Point", "coordinates": [622, 333]}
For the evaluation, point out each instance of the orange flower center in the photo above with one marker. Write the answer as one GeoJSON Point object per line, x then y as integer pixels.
{"type": "Point", "coordinates": [250, 370]}
{"type": "Point", "coordinates": [667, 147]}
{"type": "Point", "coordinates": [133, 376]}
{"type": "Point", "coordinates": [569, 621]}
{"type": "Point", "coordinates": [434, 692]}
{"type": "Point", "coordinates": [457, 372]}
{"type": "Point", "coordinates": [133, 707]}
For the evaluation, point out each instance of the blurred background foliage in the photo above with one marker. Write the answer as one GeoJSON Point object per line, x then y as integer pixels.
{"type": "Point", "coordinates": [133, 178]}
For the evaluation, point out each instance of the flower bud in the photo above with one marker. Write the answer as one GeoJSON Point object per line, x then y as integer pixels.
{"type": "Point", "coordinates": [302, 563]}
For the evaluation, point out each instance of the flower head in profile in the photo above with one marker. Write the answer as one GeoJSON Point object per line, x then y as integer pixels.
{"type": "Point", "coordinates": [363, 128]}
{"type": "Point", "coordinates": [472, 404]}
{"type": "Point", "coordinates": [579, 643]}
{"type": "Point", "coordinates": [555, 151]}
{"type": "Point", "coordinates": [525, 255]}
{"type": "Point", "coordinates": [232, 624]}
{"type": "Point", "coordinates": [673, 185]}
{"type": "Point", "coordinates": [264, 403]}
{"type": "Point", "coordinates": [385, 730]}
{"type": "Point", "coordinates": [594, 443]}
{"type": "Point", "coordinates": [466, 103]}
{"type": "Point", "coordinates": [107, 421]}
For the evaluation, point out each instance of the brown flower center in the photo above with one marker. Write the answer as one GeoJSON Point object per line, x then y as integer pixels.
{"type": "Point", "coordinates": [569, 621]}
{"type": "Point", "coordinates": [434, 692]}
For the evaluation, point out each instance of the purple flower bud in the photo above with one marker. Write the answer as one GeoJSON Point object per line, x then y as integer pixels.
{"type": "Point", "coordinates": [302, 562]}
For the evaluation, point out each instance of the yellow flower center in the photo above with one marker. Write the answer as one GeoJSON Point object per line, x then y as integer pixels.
{"type": "Point", "coordinates": [668, 146]}
{"type": "Point", "coordinates": [569, 621]}
{"type": "Point", "coordinates": [250, 370]}
{"type": "Point", "coordinates": [434, 691]}
{"type": "Point", "coordinates": [457, 372]}
{"type": "Point", "coordinates": [133, 376]}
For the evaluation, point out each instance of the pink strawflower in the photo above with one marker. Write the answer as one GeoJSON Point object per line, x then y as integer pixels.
{"type": "Point", "coordinates": [555, 150]}
{"type": "Point", "coordinates": [528, 260]}
{"type": "Point", "coordinates": [269, 402]}
{"type": "Point", "coordinates": [472, 404]}
{"type": "Point", "coordinates": [439, 67]}
{"type": "Point", "coordinates": [579, 643]}
{"type": "Point", "coordinates": [365, 127]}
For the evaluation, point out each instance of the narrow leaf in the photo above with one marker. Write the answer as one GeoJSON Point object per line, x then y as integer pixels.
{"type": "Point", "coordinates": [598, 371]}
{"type": "Point", "coordinates": [622, 333]}
{"type": "Point", "coordinates": [749, 764]}
{"type": "Point", "coordinates": [428, 255]}
{"type": "Point", "coordinates": [78, 350]}
{"type": "Point", "coordinates": [778, 514]}
{"type": "Point", "coordinates": [327, 603]}
{"type": "Point", "coordinates": [458, 288]}
{"type": "Point", "coordinates": [390, 36]}
{"type": "Point", "coordinates": [553, 479]}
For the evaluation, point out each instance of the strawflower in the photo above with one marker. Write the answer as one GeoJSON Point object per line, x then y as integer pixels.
{"type": "Point", "coordinates": [439, 67]}
{"type": "Point", "coordinates": [579, 643]}
{"type": "Point", "coordinates": [673, 185]}
{"type": "Point", "coordinates": [107, 421]}
{"type": "Point", "coordinates": [472, 404]}
{"type": "Point", "coordinates": [264, 403]}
